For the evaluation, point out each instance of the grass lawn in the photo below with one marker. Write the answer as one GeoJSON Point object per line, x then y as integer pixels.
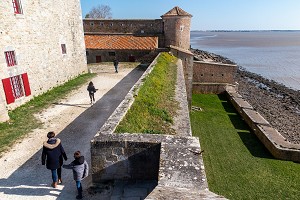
{"type": "Point", "coordinates": [22, 119]}
{"type": "Point", "coordinates": [154, 105]}
{"type": "Point", "coordinates": [237, 164]}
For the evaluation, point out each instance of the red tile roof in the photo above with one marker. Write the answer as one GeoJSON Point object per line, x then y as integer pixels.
{"type": "Point", "coordinates": [121, 42]}
{"type": "Point", "coordinates": [176, 11]}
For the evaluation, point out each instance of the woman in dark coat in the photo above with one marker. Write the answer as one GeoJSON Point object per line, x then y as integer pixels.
{"type": "Point", "coordinates": [53, 154]}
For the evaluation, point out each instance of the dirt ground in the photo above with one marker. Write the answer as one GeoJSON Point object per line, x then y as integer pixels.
{"type": "Point", "coordinates": [55, 118]}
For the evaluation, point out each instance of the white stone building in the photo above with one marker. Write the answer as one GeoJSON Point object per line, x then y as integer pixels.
{"type": "Point", "coordinates": [41, 46]}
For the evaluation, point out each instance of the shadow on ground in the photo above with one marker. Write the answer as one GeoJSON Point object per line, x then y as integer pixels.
{"type": "Point", "coordinates": [250, 140]}
{"type": "Point", "coordinates": [33, 179]}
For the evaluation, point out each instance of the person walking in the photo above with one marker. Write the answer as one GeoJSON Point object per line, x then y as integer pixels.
{"type": "Point", "coordinates": [91, 88]}
{"type": "Point", "coordinates": [80, 171]}
{"type": "Point", "coordinates": [116, 63]}
{"type": "Point", "coordinates": [52, 155]}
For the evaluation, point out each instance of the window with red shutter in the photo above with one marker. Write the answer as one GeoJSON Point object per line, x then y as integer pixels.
{"type": "Point", "coordinates": [8, 91]}
{"type": "Point", "coordinates": [15, 87]}
{"type": "Point", "coordinates": [17, 6]}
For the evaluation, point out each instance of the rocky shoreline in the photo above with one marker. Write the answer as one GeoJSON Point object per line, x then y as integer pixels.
{"type": "Point", "coordinates": [277, 103]}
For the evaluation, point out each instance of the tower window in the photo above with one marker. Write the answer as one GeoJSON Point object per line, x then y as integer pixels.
{"type": "Point", "coordinates": [63, 49]}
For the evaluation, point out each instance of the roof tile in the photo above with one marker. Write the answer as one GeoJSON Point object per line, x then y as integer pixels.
{"type": "Point", "coordinates": [120, 42]}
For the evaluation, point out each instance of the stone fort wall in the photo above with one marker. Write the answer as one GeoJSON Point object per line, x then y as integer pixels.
{"type": "Point", "coordinates": [174, 161]}
{"type": "Point", "coordinates": [36, 36]}
{"type": "Point", "coordinates": [134, 26]}
{"type": "Point", "coordinates": [211, 77]}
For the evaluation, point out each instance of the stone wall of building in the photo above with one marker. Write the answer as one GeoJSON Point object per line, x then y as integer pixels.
{"type": "Point", "coordinates": [38, 36]}
{"type": "Point", "coordinates": [212, 77]}
{"type": "Point", "coordinates": [95, 56]}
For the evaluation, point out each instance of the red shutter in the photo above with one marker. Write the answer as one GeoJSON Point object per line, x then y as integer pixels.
{"type": "Point", "coordinates": [17, 6]}
{"type": "Point", "coordinates": [8, 91]}
{"type": "Point", "coordinates": [26, 84]}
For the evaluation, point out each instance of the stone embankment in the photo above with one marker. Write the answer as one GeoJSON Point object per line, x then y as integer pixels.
{"type": "Point", "coordinates": [279, 105]}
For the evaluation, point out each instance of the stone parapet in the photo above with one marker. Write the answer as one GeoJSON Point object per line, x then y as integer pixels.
{"type": "Point", "coordinates": [173, 161]}
{"type": "Point", "coordinates": [278, 146]}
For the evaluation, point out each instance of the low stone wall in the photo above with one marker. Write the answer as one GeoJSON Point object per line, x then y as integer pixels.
{"type": "Point", "coordinates": [174, 162]}
{"type": "Point", "coordinates": [278, 146]}
{"type": "Point", "coordinates": [211, 77]}
{"type": "Point", "coordinates": [208, 88]}
{"type": "Point", "coordinates": [122, 157]}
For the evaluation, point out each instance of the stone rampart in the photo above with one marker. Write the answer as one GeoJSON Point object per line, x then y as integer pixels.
{"type": "Point", "coordinates": [278, 146]}
{"type": "Point", "coordinates": [174, 162]}
{"type": "Point", "coordinates": [123, 26]}
{"type": "Point", "coordinates": [209, 77]}
{"type": "Point", "coordinates": [187, 61]}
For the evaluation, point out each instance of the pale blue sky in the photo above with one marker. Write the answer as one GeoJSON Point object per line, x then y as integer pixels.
{"type": "Point", "coordinates": [211, 14]}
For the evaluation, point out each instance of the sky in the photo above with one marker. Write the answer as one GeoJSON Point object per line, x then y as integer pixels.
{"type": "Point", "coordinates": [211, 14]}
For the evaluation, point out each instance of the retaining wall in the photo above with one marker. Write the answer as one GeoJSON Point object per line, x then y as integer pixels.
{"type": "Point", "coordinates": [278, 146]}
{"type": "Point", "coordinates": [176, 162]}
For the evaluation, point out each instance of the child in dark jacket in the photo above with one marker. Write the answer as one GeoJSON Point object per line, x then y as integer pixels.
{"type": "Point", "coordinates": [80, 171]}
{"type": "Point", "coordinates": [91, 89]}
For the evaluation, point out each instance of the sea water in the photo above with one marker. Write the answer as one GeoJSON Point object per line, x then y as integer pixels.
{"type": "Point", "coordinates": [273, 54]}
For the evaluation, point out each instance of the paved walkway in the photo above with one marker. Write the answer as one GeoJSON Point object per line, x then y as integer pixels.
{"type": "Point", "coordinates": [32, 180]}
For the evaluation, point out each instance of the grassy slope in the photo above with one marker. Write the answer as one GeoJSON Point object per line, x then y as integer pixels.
{"type": "Point", "coordinates": [238, 166]}
{"type": "Point", "coordinates": [22, 119]}
{"type": "Point", "coordinates": [154, 106]}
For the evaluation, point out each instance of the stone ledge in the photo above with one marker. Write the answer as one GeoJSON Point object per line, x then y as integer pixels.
{"type": "Point", "coordinates": [278, 146]}
{"type": "Point", "coordinates": [171, 193]}
{"type": "Point", "coordinates": [180, 159]}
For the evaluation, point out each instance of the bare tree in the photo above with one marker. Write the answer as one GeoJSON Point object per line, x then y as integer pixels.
{"type": "Point", "coordinates": [100, 12]}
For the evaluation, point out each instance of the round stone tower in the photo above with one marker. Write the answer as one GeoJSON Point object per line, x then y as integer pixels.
{"type": "Point", "coordinates": [177, 25]}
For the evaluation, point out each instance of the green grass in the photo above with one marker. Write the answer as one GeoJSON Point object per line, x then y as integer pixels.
{"type": "Point", "coordinates": [22, 119]}
{"type": "Point", "coordinates": [237, 164]}
{"type": "Point", "coordinates": [154, 106]}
